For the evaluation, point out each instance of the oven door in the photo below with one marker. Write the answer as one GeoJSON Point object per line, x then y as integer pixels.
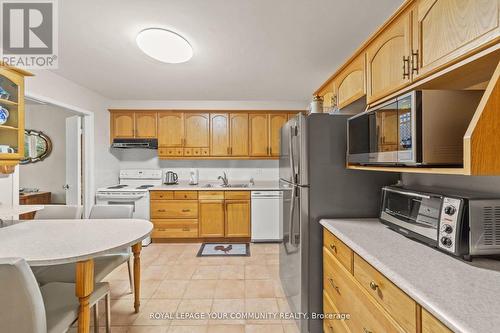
{"type": "Point", "coordinates": [412, 213]}
{"type": "Point", "coordinates": [139, 200]}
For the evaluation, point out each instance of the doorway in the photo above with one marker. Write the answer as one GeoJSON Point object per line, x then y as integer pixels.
{"type": "Point", "coordinates": [59, 176]}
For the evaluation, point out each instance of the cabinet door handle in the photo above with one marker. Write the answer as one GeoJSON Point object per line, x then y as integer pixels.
{"type": "Point", "coordinates": [161, 210]}
{"type": "Point", "coordinates": [228, 150]}
{"type": "Point", "coordinates": [406, 64]}
{"type": "Point", "coordinates": [334, 285]}
{"type": "Point", "coordinates": [414, 62]}
{"type": "Point", "coordinates": [373, 285]}
{"type": "Point", "coordinates": [333, 247]}
{"type": "Point", "coordinates": [185, 229]}
{"type": "Point", "coordinates": [161, 229]}
{"type": "Point", "coordinates": [186, 210]}
{"type": "Point", "coordinates": [365, 330]}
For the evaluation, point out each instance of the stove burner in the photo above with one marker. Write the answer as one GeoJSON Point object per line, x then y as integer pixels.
{"type": "Point", "coordinates": [144, 187]}
{"type": "Point", "coordinates": [116, 187]}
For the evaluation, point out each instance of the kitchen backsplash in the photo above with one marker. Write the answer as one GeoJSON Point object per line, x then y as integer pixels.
{"type": "Point", "coordinates": [209, 170]}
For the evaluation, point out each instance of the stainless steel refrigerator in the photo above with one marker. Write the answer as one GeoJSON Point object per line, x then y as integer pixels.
{"type": "Point", "coordinates": [315, 185]}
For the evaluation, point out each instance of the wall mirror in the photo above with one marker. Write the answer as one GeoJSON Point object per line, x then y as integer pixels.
{"type": "Point", "coordinates": [37, 146]}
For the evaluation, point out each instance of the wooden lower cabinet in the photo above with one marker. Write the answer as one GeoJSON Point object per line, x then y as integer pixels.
{"type": "Point", "coordinates": [332, 325]}
{"type": "Point", "coordinates": [374, 303]}
{"type": "Point", "coordinates": [211, 218]}
{"type": "Point", "coordinates": [432, 325]}
{"type": "Point", "coordinates": [175, 228]}
{"type": "Point", "coordinates": [200, 215]}
{"type": "Point", "coordinates": [237, 218]}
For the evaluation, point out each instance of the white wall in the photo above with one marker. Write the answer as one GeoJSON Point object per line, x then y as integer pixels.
{"type": "Point", "coordinates": [47, 85]}
{"type": "Point", "coordinates": [49, 174]}
{"type": "Point", "coordinates": [208, 169]}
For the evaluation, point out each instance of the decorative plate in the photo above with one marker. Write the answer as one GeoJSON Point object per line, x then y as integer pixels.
{"type": "Point", "coordinates": [4, 115]}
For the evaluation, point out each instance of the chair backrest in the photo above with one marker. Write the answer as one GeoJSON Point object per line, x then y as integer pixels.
{"type": "Point", "coordinates": [21, 307]}
{"type": "Point", "coordinates": [59, 212]}
{"type": "Point", "coordinates": [111, 212]}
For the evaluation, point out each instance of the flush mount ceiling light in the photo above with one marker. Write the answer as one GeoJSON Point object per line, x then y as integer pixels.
{"type": "Point", "coordinates": [164, 45]}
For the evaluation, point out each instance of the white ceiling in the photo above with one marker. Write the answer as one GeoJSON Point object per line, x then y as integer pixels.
{"type": "Point", "coordinates": [243, 49]}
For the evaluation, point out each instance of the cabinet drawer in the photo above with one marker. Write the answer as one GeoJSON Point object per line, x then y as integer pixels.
{"type": "Point", "coordinates": [431, 324]}
{"type": "Point", "coordinates": [211, 195]}
{"type": "Point", "coordinates": [188, 151]}
{"type": "Point", "coordinates": [349, 297]}
{"type": "Point", "coordinates": [174, 209]}
{"type": "Point", "coordinates": [339, 250]}
{"type": "Point", "coordinates": [332, 325]}
{"type": "Point", "coordinates": [161, 195]}
{"type": "Point", "coordinates": [401, 307]}
{"type": "Point", "coordinates": [170, 151]}
{"type": "Point", "coordinates": [205, 151]}
{"type": "Point", "coordinates": [175, 228]}
{"type": "Point", "coordinates": [237, 195]}
{"type": "Point", "coordinates": [183, 195]}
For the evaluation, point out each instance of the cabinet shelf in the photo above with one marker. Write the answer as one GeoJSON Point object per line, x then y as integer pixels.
{"type": "Point", "coordinates": [12, 128]}
{"type": "Point", "coordinates": [7, 102]}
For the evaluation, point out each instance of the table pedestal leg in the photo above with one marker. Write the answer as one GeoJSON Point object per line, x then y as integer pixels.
{"type": "Point", "coordinates": [136, 249]}
{"type": "Point", "coordinates": [84, 287]}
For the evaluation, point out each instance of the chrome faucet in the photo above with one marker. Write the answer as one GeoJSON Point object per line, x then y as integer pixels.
{"type": "Point", "coordinates": [225, 182]}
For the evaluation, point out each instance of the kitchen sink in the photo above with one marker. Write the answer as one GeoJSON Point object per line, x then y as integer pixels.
{"type": "Point", "coordinates": [223, 186]}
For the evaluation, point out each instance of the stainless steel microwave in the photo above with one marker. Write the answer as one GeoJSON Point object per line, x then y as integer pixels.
{"type": "Point", "coordinates": [458, 223]}
{"type": "Point", "coordinates": [423, 127]}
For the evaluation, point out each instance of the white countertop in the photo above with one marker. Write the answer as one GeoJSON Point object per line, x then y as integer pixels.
{"type": "Point", "coordinates": [52, 242]}
{"type": "Point", "coordinates": [464, 296]}
{"type": "Point", "coordinates": [184, 186]}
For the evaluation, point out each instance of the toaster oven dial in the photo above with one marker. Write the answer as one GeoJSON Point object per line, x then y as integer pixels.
{"type": "Point", "coordinates": [450, 210]}
{"type": "Point", "coordinates": [446, 241]}
{"type": "Point", "coordinates": [447, 228]}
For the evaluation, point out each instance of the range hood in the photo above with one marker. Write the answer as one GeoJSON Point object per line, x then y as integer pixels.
{"type": "Point", "coordinates": [135, 143]}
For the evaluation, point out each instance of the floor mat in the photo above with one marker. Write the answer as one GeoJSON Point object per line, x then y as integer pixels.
{"type": "Point", "coordinates": [224, 250]}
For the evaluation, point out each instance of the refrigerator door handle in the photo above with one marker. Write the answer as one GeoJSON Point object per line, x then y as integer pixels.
{"type": "Point", "coordinates": [291, 238]}
{"type": "Point", "coordinates": [292, 159]}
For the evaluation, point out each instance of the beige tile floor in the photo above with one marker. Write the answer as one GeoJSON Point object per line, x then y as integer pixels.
{"type": "Point", "coordinates": [175, 280]}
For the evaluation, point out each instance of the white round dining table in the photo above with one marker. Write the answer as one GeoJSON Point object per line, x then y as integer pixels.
{"type": "Point", "coordinates": [55, 242]}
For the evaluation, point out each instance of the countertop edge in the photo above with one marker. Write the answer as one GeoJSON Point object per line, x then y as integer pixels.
{"type": "Point", "coordinates": [392, 275]}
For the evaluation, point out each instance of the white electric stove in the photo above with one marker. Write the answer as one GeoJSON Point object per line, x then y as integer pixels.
{"type": "Point", "coordinates": [133, 189]}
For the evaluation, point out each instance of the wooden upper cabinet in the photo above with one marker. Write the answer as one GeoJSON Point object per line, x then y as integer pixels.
{"type": "Point", "coordinates": [122, 124]}
{"type": "Point", "coordinates": [446, 30]}
{"type": "Point", "coordinates": [145, 125]}
{"type": "Point", "coordinates": [170, 129]}
{"type": "Point", "coordinates": [259, 134]}
{"type": "Point", "coordinates": [219, 134]}
{"type": "Point", "coordinates": [238, 123]}
{"type": "Point", "coordinates": [388, 59]}
{"type": "Point", "coordinates": [196, 126]}
{"type": "Point", "coordinates": [276, 121]}
{"type": "Point", "coordinates": [211, 218]}
{"type": "Point", "coordinates": [237, 218]}
{"type": "Point", "coordinates": [349, 85]}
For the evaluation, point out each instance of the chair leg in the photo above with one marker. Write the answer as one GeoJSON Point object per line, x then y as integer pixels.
{"type": "Point", "coordinates": [108, 312]}
{"type": "Point", "coordinates": [130, 282]}
{"type": "Point", "coordinates": [96, 317]}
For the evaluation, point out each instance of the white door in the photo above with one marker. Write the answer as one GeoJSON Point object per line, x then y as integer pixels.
{"type": "Point", "coordinates": [73, 185]}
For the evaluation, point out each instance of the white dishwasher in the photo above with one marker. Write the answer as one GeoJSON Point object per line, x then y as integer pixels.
{"type": "Point", "coordinates": [266, 226]}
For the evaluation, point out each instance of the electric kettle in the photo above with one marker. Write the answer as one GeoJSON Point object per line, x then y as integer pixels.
{"type": "Point", "coordinates": [170, 178]}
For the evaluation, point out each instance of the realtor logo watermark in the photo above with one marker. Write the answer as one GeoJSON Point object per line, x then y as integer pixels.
{"type": "Point", "coordinates": [29, 33]}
